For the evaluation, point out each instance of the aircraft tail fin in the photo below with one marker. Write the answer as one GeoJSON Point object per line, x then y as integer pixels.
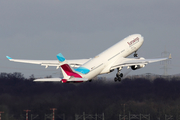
{"type": "Point", "coordinates": [69, 74]}
{"type": "Point", "coordinates": [66, 68]}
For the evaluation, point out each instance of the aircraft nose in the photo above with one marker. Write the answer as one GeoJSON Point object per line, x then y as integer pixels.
{"type": "Point", "coordinates": [142, 39]}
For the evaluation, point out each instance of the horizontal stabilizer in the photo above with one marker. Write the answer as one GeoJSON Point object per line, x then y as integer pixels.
{"type": "Point", "coordinates": [48, 80]}
{"type": "Point", "coordinates": [61, 80]}
{"type": "Point", "coordinates": [74, 80]}
{"type": "Point", "coordinates": [78, 79]}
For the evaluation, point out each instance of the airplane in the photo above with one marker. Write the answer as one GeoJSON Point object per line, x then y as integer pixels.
{"type": "Point", "coordinates": [82, 70]}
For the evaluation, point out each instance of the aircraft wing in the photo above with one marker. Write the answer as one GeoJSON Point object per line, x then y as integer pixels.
{"type": "Point", "coordinates": [47, 63]}
{"type": "Point", "coordinates": [128, 62]}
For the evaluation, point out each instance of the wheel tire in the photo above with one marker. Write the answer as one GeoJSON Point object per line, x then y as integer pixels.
{"type": "Point", "coordinates": [115, 79]}
{"type": "Point", "coordinates": [119, 79]}
{"type": "Point", "coordinates": [135, 55]}
{"type": "Point", "coordinates": [117, 75]}
{"type": "Point", "coordinates": [121, 75]}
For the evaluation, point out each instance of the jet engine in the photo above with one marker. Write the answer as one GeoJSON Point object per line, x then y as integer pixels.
{"type": "Point", "coordinates": [135, 67]}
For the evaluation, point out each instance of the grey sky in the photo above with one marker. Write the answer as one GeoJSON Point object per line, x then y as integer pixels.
{"type": "Point", "coordinates": [40, 29]}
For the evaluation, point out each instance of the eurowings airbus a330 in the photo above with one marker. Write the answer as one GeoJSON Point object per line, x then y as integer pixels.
{"type": "Point", "coordinates": [82, 70]}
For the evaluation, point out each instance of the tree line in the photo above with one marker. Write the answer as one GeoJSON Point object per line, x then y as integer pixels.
{"type": "Point", "coordinates": [157, 97]}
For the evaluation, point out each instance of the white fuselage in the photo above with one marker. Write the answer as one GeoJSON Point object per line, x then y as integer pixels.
{"type": "Point", "coordinates": [102, 63]}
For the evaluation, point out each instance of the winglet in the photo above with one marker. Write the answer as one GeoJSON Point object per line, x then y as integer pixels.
{"type": "Point", "coordinates": [8, 57]}
{"type": "Point", "coordinates": [60, 57]}
{"type": "Point", "coordinates": [170, 56]}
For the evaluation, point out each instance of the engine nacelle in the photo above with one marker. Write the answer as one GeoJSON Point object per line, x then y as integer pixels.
{"type": "Point", "coordinates": [135, 67]}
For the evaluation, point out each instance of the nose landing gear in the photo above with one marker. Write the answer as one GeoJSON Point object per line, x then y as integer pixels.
{"type": "Point", "coordinates": [135, 54]}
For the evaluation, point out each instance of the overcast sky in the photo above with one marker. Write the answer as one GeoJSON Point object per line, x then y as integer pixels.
{"type": "Point", "coordinates": [40, 29]}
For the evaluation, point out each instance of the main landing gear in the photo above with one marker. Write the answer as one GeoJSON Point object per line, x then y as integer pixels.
{"type": "Point", "coordinates": [118, 75]}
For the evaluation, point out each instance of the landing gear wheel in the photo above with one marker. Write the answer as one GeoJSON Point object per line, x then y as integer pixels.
{"type": "Point", "coordinates": [116, 79]}
{"type": "Point", "coordinates": [119, 79]}
{"type": "Point", "coordinates": [119, 75]}
{"type": "Point", "coordinates": [135, 54]}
